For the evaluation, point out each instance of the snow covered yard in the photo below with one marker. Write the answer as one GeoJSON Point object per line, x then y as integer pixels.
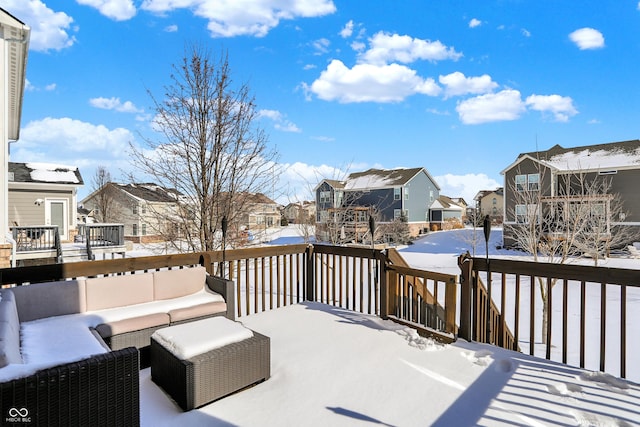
{"type": "Point", "coordinates": [331, 366]}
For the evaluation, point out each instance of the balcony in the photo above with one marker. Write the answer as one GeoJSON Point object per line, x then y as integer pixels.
{"type": "Point", "coordinates": [359, 337]}
{"type": "Point", "coordinates": [41, 243]}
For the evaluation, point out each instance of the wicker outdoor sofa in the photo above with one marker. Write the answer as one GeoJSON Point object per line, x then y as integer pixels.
{"type": "Point", "coordinates": [70, 351]}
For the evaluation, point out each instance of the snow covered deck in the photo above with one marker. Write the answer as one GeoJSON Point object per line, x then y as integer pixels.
{"type": "Point", "coordinates": [330, 366]}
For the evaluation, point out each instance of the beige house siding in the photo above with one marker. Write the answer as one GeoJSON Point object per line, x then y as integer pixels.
{"type": "Point", "coordinates": [24, 211]}
{"type": "Point", "coordinates": [143, 220]}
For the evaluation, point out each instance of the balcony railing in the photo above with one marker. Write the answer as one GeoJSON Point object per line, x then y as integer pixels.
{"type": "Point", "coordinates": [37, 239]}
{"type": "Point", "coordinates": [439, 305]}
{"type": "Point", "coordinates": [579, 315]}
{"type": "Point", "coordinates": [100, 236]}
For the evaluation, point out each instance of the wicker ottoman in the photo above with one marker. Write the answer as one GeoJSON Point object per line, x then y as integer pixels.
{"type": "Point", "coordinates": [196, 380]}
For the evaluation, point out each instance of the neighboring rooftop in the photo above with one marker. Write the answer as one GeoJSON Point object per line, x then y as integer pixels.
{"type": "Point", "coordinates": [624, 154]}
{"type": "Point", "coordinates": [44, 173]}
{"type": "Point", "coordinates": [150, 192]}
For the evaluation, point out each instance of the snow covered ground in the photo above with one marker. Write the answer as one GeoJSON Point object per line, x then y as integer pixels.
{"type": "Point", "coordinates": [334, 367]}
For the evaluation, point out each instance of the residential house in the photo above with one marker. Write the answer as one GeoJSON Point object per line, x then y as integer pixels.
{"type": "Point", "coordinates": [14, 47]}
{"type": "Point", "coordinates": [490, 202]}
{"type": "Point", "coordinates": [145, 209]}
{"type": "Point", "coordinates": [44, 194]}
{"type": "Point", "coordinates": [446, 213]}
{"type": "Point", "coordinates": [300, 212]}
{"type": "Point", "coordinates": [344, 207]}
{"type": "Point", "coordinates": [258, 213]}
{"type": "Point", "coordinates": [553, 174]}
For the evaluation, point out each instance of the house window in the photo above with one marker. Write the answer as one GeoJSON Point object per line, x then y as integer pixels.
{"type": "Point", "coordinates": [134, 209]}
{"type": "Point", "coordinates": [529, 182]}
{"type": "Point", "coordinates": [144, 209]}
{"type": "Point", "coordinates": [399, 213]}
{"type": "Point", "coordinates": [430, 196]}
{"type": "Point", "coordinates": [325, 196]}
{"type": "Point", "coordinates": [495, 201]}
{"type": "Point", "coordinates": [521, 214]}
{"type": "Point", "coordinates": [135, 229]}
{"type": "Point", "coordinates": [524, 213]}
{"type": "Point", "coordinates": [397, 193]}
{"type": "Point", "coordinates": [144, 229]}
{"type": "Point", "coordinates": [406, 193]}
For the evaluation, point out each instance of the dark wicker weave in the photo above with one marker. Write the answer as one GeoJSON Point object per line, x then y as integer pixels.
{"type": "Point", "coordinates": [137, 339]}
{"type": "Point", "coordinates": [103, 390]}
{"type": "Point", "coordinates": [212, 375]}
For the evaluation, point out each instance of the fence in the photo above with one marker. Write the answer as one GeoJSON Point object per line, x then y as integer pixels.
{"type": "Point", "coordinates": [271, 277]}
{"type": "Point", "coordinates": [100, 235]}
{"type": "Point", "coordinates": [575, 314]}
{"type": "Point", "coordinates": [584, 319]}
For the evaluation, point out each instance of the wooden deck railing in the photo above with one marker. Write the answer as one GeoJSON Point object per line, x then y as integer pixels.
{"type": "Point", "coordinates": [270, 277]}
{"type": "Point", "coordinates": [493, 330]}
{"type": "Point", "coordinates": [100, 236]}
{"type": "Point", "coordinates": [375, 282]}
{"type": "Point", "coordinates": [584, 327]}
{"type": "Point", "coordinates": [34, 238]}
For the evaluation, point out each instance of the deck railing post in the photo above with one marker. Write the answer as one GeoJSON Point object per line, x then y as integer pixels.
{"type": "Point", "coordinates": [465, 262]}
{"type": "Point", "coordinates": [310, 285]}
{"type": "Point", "coordinates": [384, 287]}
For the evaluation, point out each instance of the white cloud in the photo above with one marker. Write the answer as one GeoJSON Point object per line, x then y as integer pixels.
{"type": "Point", "coordinates": [437, 112]}
{"type": "Point", "coordinates": [525, 32]}
{"type": "Point", "coordinates": [457, 84]}
{"type": "Point", "coordinates": [49, 29]}
{"type": "Point", "coordinates": [299, 179]}
{"type": "Point", "coordinates": [474, 23]}
{"type": "Point", "coordinates": [119, 10]}
{"type": "Point", "coordinates": [465, 186]}
{"type": "Point", "coordinates": [347, 31]}
{"type": "Point", "coordinates": [280, 121]}
{"type": "Point", "coordinates": [493, 107]}
{"type": "Point", "coordinates": [321, 45]}
{"type": "Point", "coordinates": [69, 137]}
{"type": "Point", "coordinates": [386, 48]}
{"type": "Point", "coordinates": [358, 46]}
{"type": "Point", "coordinates": [114, 104]}
{"type": "Point", "coordinates": [229, 18]}
{"type": "Point", "coordinates": [323, 138]}
{"type": "Point", "coordinates": [587, 38]}
{"type": "Point", "coordinates": [560, 106]}
{"type": "Point", "coordinates": [370, 83]}
{"type": "Point", "coordinates": [29, 87]}
{"type": "Point", "coordinates": [171, 28]}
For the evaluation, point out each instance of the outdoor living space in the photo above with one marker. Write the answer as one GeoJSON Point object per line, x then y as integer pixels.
{"type": "Point", "coordinates": [356, 336]}
{"type": "Point", "coordinates": [332, 366]}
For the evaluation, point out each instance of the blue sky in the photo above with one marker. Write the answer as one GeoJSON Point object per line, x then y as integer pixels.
{"type": "Point", "coordinates": [460, 88]}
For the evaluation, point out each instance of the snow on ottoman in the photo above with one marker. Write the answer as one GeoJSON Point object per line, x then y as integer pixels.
{"type": "Point", "coordinates": [202, 361]}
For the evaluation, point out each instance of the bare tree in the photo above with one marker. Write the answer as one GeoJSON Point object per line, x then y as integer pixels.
{"type": "Point", "coordinates": [103, 203]}
{"type": "Point", "coordinates": [212, 150]}
{"type": "Point", "coordinates": [576, 220]}
{"type": "Point", "coordinates": [305, 222]}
